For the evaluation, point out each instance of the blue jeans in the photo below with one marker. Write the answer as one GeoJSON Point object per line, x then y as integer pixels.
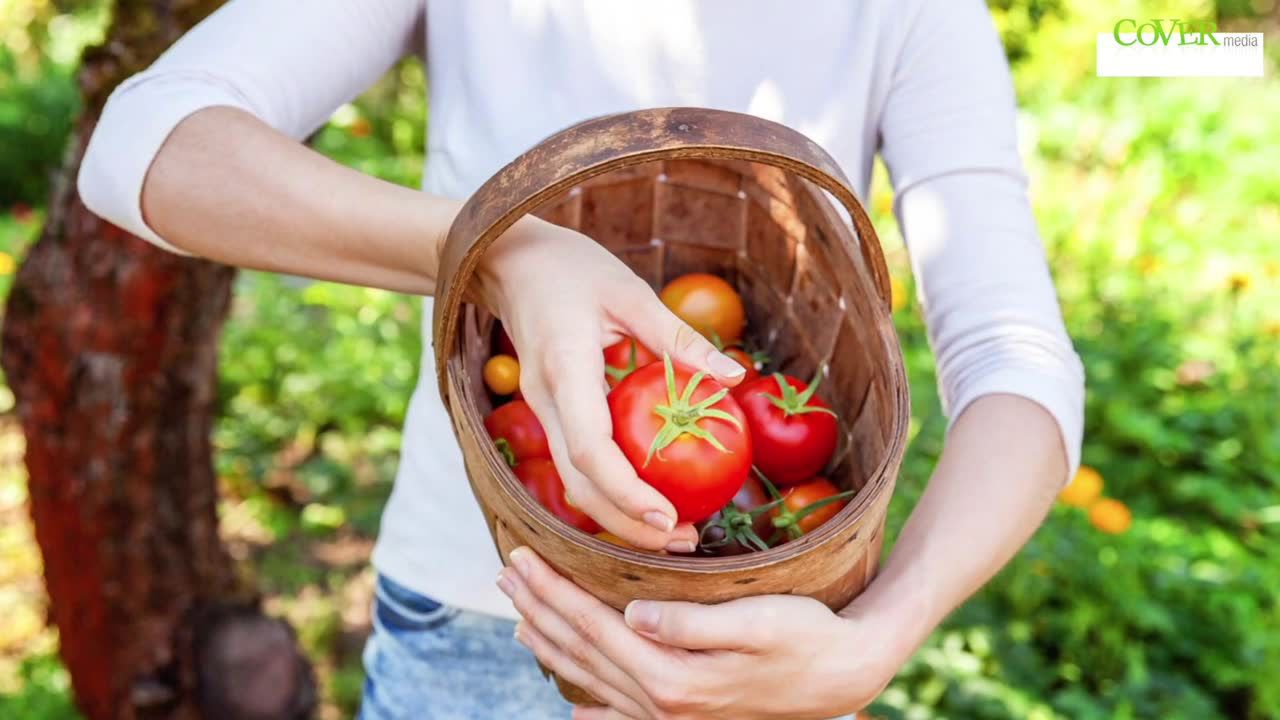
{"type": "Point", "coordinates": [427, 661]}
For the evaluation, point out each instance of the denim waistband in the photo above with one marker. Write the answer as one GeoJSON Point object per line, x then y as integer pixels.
{"type": "Point", "coordinates": [407, 603]}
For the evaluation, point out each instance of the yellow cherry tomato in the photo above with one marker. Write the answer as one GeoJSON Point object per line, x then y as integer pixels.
{"type": "Point", "coordinates": [502, 374]}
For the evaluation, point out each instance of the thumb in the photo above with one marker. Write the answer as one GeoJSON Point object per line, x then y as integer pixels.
{"type": "Point", "coordinates": [727, 626]}
{"type": "Point", "coordinates": [660, 330]}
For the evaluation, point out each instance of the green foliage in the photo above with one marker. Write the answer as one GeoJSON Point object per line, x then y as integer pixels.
{"type": "Point", "coordinates": [39, 97]}
{"type": "Point", "coordinates": [35, 118]}
{"type": "Point", "coordinates": [44, 692]}
{"type": "Point", "coordinates": [1018, 20]}
{"type": "Point", "coordinates": [1159, 208]}
{"type": "Point", "coordinates": [314, 384]}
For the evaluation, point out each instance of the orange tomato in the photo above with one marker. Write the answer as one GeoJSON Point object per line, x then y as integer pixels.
{"type": "Point", "coordinates": [800, 497]}
{"type": "Point", "coordinates": [502, 374]}
{"type": "Point", "coordinates": [708, 304]}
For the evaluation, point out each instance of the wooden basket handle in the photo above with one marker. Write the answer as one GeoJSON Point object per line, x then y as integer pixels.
{"type": "Point", "coordinates": [607, 143]}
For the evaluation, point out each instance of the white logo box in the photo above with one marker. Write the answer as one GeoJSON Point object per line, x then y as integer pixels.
{"type": "Point", "coordinates": [1238, 55]}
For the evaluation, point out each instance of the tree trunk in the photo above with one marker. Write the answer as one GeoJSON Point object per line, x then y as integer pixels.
{"type": "Point", "coordinates": [110, 346]}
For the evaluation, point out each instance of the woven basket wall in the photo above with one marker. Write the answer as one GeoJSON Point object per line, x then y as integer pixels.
{"type": "Point", "coordinates": [679, 190]}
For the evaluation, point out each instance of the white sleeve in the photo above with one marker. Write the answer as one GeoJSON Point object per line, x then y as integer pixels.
{"type": "Point", "coordinates": [949, 140]}
{"type": "Point", "coordinates": [290, 64]}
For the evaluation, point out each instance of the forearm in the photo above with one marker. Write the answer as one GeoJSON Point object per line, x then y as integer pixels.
{"type": "Point", "coordinates": [1002, 467]}
{"type": "Point", "coordinates": [227, 187]}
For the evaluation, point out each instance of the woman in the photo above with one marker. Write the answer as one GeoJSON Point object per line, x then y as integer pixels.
{"type": "Point", "coordinates": [200, 154]}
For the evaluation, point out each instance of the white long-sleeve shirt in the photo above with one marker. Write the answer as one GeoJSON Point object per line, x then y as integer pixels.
{"type": "Point", "coordinates": [924, 82]}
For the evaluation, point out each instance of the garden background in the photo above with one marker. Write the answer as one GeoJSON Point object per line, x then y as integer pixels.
{"type": "Point", "coordinates": [1159, 204]}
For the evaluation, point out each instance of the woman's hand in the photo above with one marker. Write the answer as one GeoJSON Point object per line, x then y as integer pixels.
{"type": "Point", "coordinates": [773, 656]}
{"type": "Point", "coordinates": [563, 298]}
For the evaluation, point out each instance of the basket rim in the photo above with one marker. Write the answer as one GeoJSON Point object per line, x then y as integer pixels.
{"type": "Point", "coordinates": [482, 219]}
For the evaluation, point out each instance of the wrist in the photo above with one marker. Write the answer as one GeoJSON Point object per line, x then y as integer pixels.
{"type": "Point", "coordinates": [895, 614]}
{"type": "Point", "coordinates": [868, 655]}
{"type": "Point", "coordinates": [506, 256]}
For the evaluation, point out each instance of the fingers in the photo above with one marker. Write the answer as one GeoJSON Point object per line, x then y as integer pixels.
{"type": "Point", "coordinates": [565, 668]}
{"type": "Point", "coordinates": [655, 326]}
{"type": "Point", "coordinates": [562, 636]}
{"type": "Point", "coordinates": [601, 481]}
{"type": "Point", "coordinates": [582, 712]}
{"type": "Point", "coordinates": [747, 624]}
{"type": "Point", "coordinates": [584, 494]}
{"type": "Point", "coordinates": [588, 434]}
{"type": "Point", "coordinates": [593, 622]}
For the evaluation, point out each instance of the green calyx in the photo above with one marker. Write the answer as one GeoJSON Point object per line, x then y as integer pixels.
{"type": "Point", "coordinates": [791, 402]}
{"type": "Point", "coordinates": [787, 521]}
{"type": "Point", "coordinates": [681, 416]}
{"type": "Point", "coordinates": [737, 526]}
{"type": "Point", "coordinates": [504, 449]}
{"type": "Point", "coordinates": [619, 374]}
{"type": "Point", "coordinates": [758, 357]}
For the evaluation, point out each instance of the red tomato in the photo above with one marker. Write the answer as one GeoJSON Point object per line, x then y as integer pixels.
{"type": "Point", "coordinates": [502, 342]}
{"type": "Point", "coordinates": [623, 358]}
{"type": "Point", "coordinates": [708, 303]}
{"type": "Point", "coordinates": [796, 499]}
{"type": "Point", "coordinates": [793, 430]}
{"type": "Point", "coordinates": [539, 477]}
{"type": "Point", "coordinates": [515, 426]}
{"type": "Point", "coordinates": [684, 435]}
{"type": "Point", "coordinates": [743, 358]}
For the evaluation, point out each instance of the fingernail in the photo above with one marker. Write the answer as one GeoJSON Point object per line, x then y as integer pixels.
{"type": "Point", "coordinates": [680, 546]}
{"type": "Point", "coordinates": [505, 584]}
{"type": "Point", "coordinates": [659, 520]}
{"type": "Point", "coordinates": [518, 633]}
{"type": "Point", "coordinates": [520, 558]}
{"type": "Point", "coordinates": [642, 616]}
{"type": "Point", "coordinates": [722, 364]}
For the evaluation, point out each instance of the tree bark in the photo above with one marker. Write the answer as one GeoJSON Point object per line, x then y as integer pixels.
{"type": "Point", "coordinates": [110, 346]}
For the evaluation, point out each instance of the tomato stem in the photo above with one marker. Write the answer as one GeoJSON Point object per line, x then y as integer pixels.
{"type": "Point", "coordinates": [788, 520]}
{"type": "Point", "coordinates": [504, 448]}
{"type": "Point", "coordinates": [681, 417]}
{"type": "Point", "coordinates": [792, 403]}
{"type": "Point", "coordinates": [768, 484]}
{"type": "Point", "coordinates": [620, 374]}
{"type": "Point", "coordinates": [737, 526]}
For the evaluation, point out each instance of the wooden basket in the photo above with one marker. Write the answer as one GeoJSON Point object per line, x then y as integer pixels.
{"type": "Point", "coordinates": [678, 190]}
